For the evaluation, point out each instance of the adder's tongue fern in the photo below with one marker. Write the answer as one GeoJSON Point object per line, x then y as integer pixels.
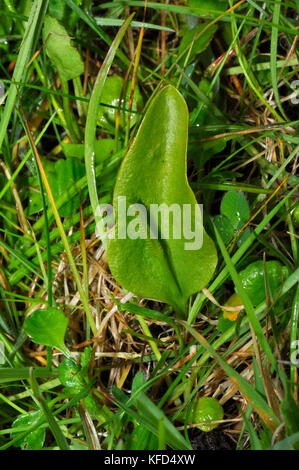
{"type": "Point", "coordinates": [152, 180]}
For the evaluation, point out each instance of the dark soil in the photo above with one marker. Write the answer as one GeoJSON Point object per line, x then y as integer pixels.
{"type": "Point", "coordinates": [212, 440]}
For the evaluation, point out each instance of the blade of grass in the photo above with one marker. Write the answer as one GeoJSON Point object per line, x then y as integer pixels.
{"type": "Point", "coordinates": [207, 12]}
{"type": "Point", "coordinates": [16, 374]}
{"type": "Point", "coordinates": [89, 428]}
{"type": "Point", "coordinates": [150, 415]}
{"type": "Point", "coordinates": [37, 12]}
{"type": "Point", "coordinates": [293, 337]}
{"type": "Point", "coordinates": [246, 301]}
{"type": "Point", "coordinates": [27, 156]}
{"type": "Point", "coordinates": [252, 82]}
{"type": "Point", "coordinates": [153, 314]}
{"type": "Point", "coordinates": [90, 129]}
{"type": "Point", "coordinates": [59, 437]}
{"type": "Point", "coordinates": [60, 228]}
{"type": "Point", "coordinates": [73, 401]}
{"type": "Point", "coordinates": [273, 55]}
{"type": "Point", "coordinates": [101, 21]}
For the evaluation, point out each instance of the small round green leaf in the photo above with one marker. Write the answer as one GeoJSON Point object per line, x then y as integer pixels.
{"type": "Point", "coordinates": [253, 279]}
{"type": "Point", "coordinates": [206, 410]}
{"type": "Point", "coordinates": [234, 206]}
{"type": "Point", "coordinates": [111, 94]}
{"type": "Point", "coordinates": [48, 327]}
{"type": "Point", "coordinates": [70, 375]}
{"type": "Point", "coordinates": [34, 440]}
{"type": "Point", "coordinates": [224, 227]}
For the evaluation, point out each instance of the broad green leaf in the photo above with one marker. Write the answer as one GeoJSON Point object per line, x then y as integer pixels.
{"type": "Point", "coordinates": [35, 439]}
{"type": "Point", "coordinates": [101, 414]}
{"type": "Point", "coordinates": [75, 380]}
{"type": "Point", "coordinates": [61, 180]}
{"type": "Point", "coordinates": [86, 358]}
{"type": "Point", "coordinates": [61, 175]}
{"type": "Point", "coordinates": [57, 9]}
{"type": "Point", "coordinates": [234, 206]}
{"type": "Point", "coordinates": [224, 227]}
{"type": "Point", "coordinates": [149, 262]}
{"type": "Point", "coordinates": [203, 120]}
{"type": "Point", "coordinates": [74, 376]}
{"type": "Point", "coordinates": [110, 98]}
{"type": "Point", "coordinates": [104, 148]}
{"type": "Point", "coordinates": [234, 214]}
{"type": "Point", "coordinates": [48, 327]}
{"type": "Point", "coordinates": [253, 280]}
{"type": "Point", "coordinates": [206, 5]}
{"type": "Point", "coordinates": [199, 45]}
{"type": "Point", "coordinates": [35, 202]}
{"type": "Point", "coordinates": [63, 13]}
{"type": "Point", "coordinates": [70, 375]}
{"type": "Point", "coordinates": [60, 49]}
{"type": "Point", "coordinates": [208, 150]}
{"type": "Point", "coordinates": [243, 235]}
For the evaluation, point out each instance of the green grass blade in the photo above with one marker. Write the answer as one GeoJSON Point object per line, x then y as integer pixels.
{"type": "Point", "coordinates": [91, 124]}
{"type": "Point", "coordinates": [60, 439]}
{"type": "Point", "coordinates": [246, 301]}
{"type": "Point", "coordinates": [273, 54]}
{"type": "Point", "coordinates": [38, 10]}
